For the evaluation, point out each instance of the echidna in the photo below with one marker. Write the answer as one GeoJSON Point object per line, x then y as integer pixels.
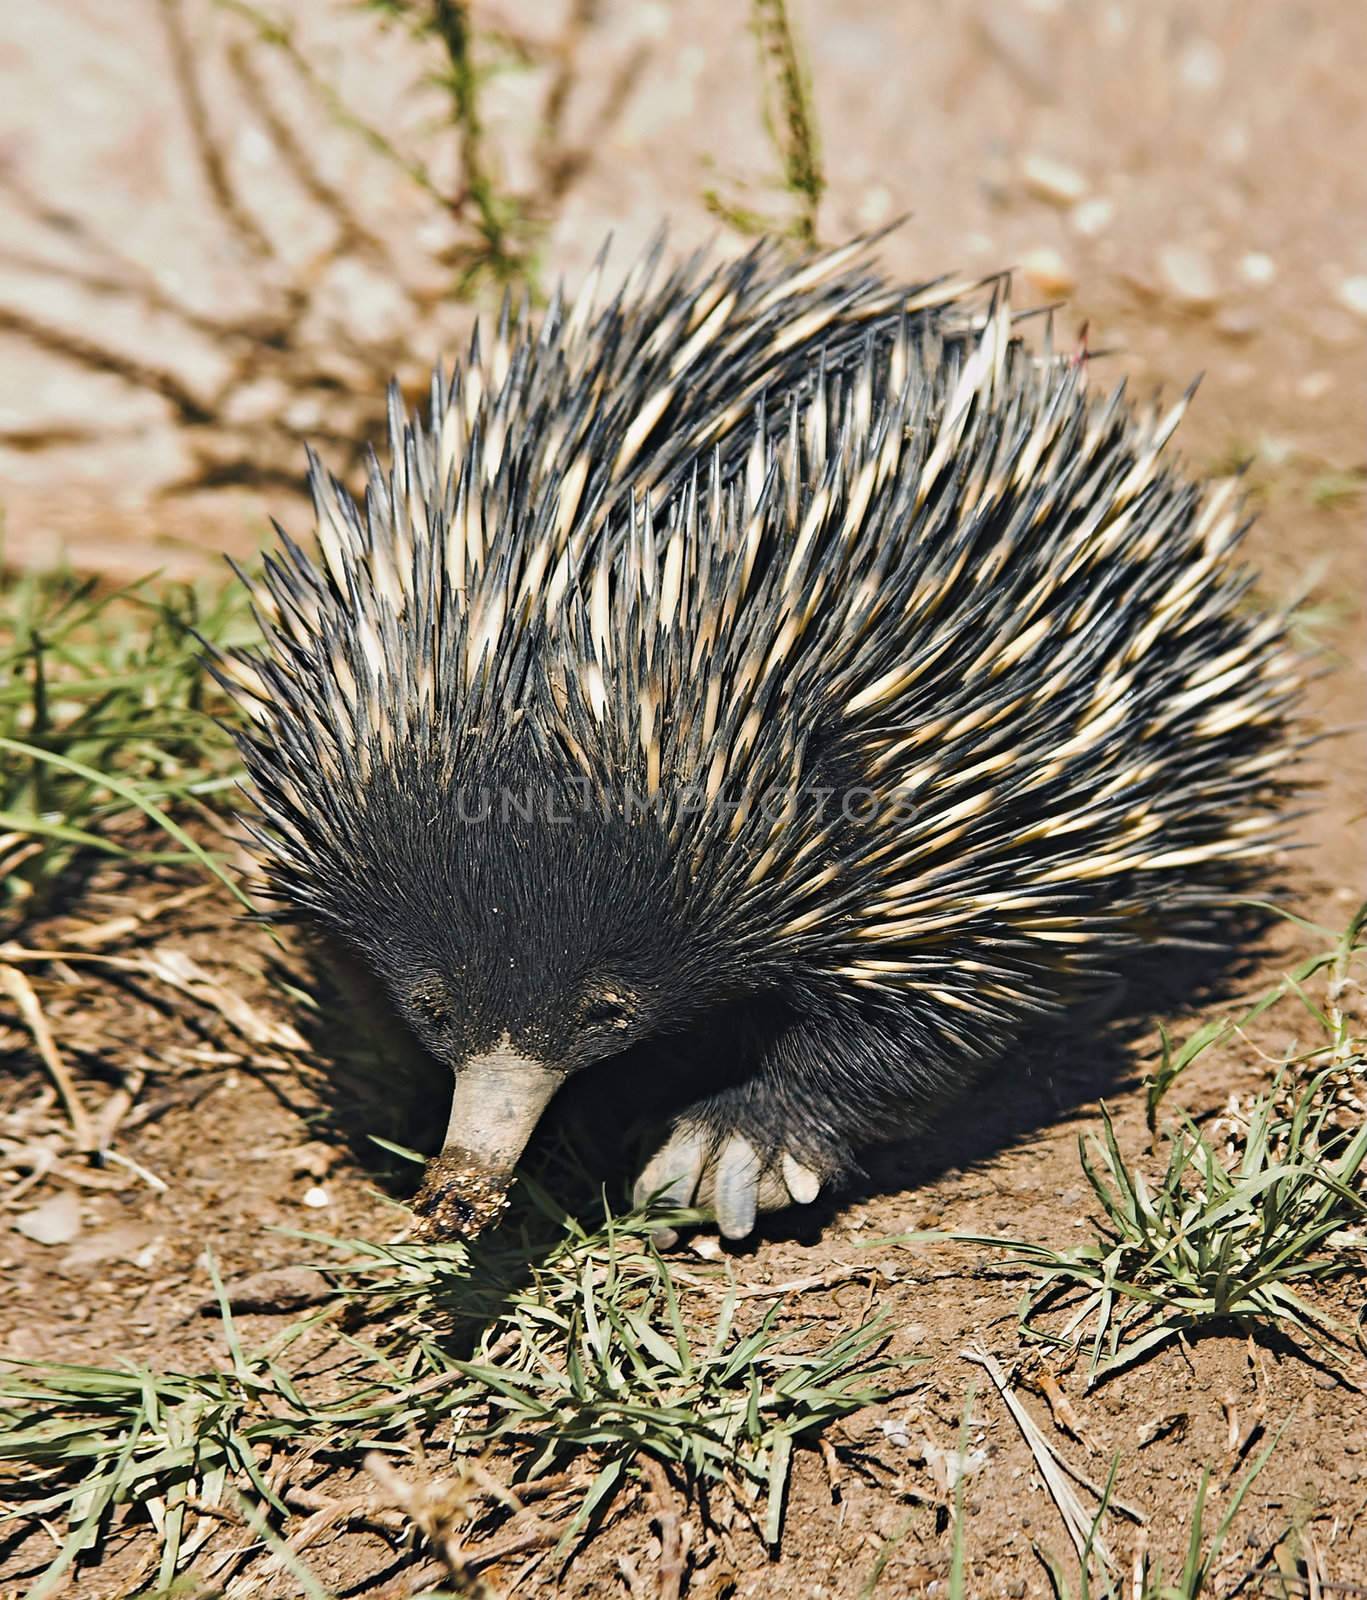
{"type": "Point", "coordinates": [787, 681]}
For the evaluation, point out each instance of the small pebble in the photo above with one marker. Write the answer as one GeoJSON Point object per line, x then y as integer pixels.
{"type": "Point", "coordinates": [1138, 280]}
{"type": "Point", "coordinates": [1234, 322]}
{"type": "Point", "coordinates": [1202, 66]}
{"type": "Point", "coordinates": [1335, 328]}
{"type": "Point", "coordinates": [316, 1197]}
{"type": "Point", "coordinates": [1353, 294]}
{"type": "Point", "coordinates": [123, 1242]}
{"type": "Point", "coordinates": [1233, 144]}
{"type": "Point", "coordinates": [1092, 216]}
{"type": "Point", "coordinates": [1048, 271]}
{"type": "Point", "coordinates": [895, 1431]}
{"type": "Point", "coordinates": [436, 234]}
{"type": "Point", "coordinates": [305, 414]}
{"type": "Point", "coordinates": [256, 402]}
{"type": "Point", "coordinates": [313, 1160]}
{"type": "Point", "coordinates": [875, 206]}
{"type": "Point", "coordinates": [255, 147]}
{"type": "Point", "coordinates": [1188, 276]}
{"type": "Point", "coordinates": [1258, 269]}
{"type": "Point", "coordinates": [1051, 180]}
{"type": "Point", "coordinates": [1315, 385]}
{"type": "Point", "coordinates": [1019, 44]}
{"type": "Point", "coordinates": [272, 1290]}
{"type": "Point", "coordinates": [952, 1464]}
{"type": "Point", "coordinates": [56, 1221]}
{"type": "Point", "coordinates": [651, 21]}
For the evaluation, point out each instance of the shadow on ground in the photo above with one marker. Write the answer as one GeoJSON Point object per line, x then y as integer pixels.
{"type": "Point", "coordinates": [591, 1144]}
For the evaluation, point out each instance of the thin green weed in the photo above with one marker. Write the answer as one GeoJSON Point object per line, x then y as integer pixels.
{"type": "Point", "coordinates": [107, 718]}
{"type": "Point", "coordinates": [558, 1343]}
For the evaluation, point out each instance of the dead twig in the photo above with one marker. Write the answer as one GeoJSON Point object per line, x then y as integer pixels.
{"type": "Point", "coordinates": [116, 1108]}
{"type": "Point", "coordinates": [366, 1508]}
{"type": "Point", "coordinates": [294, 368]}
{"type": "Point", "coordinates": [182, 973]}
{"type": "Point", "coordinates": [193, 411]}
{"type": "Point", "coordinates": [831, 1461]}
{"type": "Point", "coordinates": [1055, 1470]}
{"type": "Point", "coordinates": [1061, 1409]}
{"type": "Point", "coordinates": [15, 984]}
{"type": "Point", "coordinates": [280, 35]}
{"type": "Point", "coordinates": [435, 1506]}
{"type": "Point", "coordinates": [818, 1280]}
{"type": "Point", "coordinates": [561, 164]}
{"type": "Point", "coordinates": [669, 1579]}
{"type": "Point", "coordinates": [352, 232]}
{"type": "Point", "coordinates": [99, 934]}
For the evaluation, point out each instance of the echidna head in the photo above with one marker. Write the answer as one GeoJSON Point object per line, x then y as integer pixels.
{"type": "Point", "coordinates": [523, 933]}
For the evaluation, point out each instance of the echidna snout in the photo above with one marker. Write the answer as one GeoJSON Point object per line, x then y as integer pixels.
{"type": "Point", "coordinates": [496, 1102]}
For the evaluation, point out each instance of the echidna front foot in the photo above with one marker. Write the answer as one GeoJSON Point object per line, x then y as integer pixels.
{"type": "Point", "coordinates": [818, 1089]}
{"type": "Point", "coordinates": [727, 1172]}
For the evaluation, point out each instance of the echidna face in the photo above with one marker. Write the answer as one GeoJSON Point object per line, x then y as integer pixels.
{"type": "Point", "coordinates": [520, 949]}
{"type": "Point", "coordinates": [520, 942]}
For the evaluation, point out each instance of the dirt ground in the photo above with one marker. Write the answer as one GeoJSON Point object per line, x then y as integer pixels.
{"type": "Point", "coordinates": [1187, 179]}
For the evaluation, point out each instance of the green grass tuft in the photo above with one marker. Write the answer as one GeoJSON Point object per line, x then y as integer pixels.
{"type": "Point", "coordinates": [1148, 1581]}
{"type": "Point", "coordinates": [790, 118]}
{"type": "Point", "coordinates": [791, 115]}
{"type": "Point", "coordinates": [106, 718]}
{"type": "Point", "coordinates": [579, 1346]}
{"type": "Point", "coordinates": [507, 239]}
{"type": "Point", "coordinates": [1331, 489]}
{"type": "Point", "coordinates": [1222, 1235]}
{"type": "Point", "coordinates": [1209, 1242]}
{"type": "Point", "coordinates": [600, 1346]}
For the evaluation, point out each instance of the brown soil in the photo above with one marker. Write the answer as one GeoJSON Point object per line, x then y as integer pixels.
{"type": "Point", "coordinates": [1225, 130]}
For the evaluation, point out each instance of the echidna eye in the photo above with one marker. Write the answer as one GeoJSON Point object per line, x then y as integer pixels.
{"type": "Point", "coordinates": [605, 1008]}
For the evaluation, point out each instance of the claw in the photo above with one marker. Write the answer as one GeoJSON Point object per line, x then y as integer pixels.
{"type": "Point", "coordinates": [741, 1185]}
{"type": "Point", "coordinates": [736, 1187]}
{"type": "Point", "coordinates": [674, 1168]}
{"type": "Point", "coordinates": [673, 1172]}
{"type": "Point", "coordinates": [803, 1184]}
